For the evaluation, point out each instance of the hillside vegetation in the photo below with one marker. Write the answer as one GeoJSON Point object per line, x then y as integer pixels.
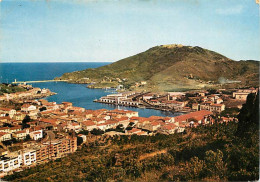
{"type": "Point", "coordinates": [172, 67]}
{"type": "Point", "coordinates": [218, 152]}
{"type": "Point", "coordinates": [6, 88]}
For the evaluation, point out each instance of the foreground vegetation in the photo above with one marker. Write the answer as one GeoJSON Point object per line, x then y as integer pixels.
{"type": "Point", "coordinates": [217, 152]}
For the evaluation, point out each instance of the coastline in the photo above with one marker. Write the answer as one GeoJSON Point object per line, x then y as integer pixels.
{"type": "Point", "coordinates": [136, 106]}
{"type": "Point", "coordinates": [30, 94]}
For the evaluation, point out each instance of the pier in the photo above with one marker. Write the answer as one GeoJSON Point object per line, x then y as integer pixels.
{"type": "Point", "coordinates": [38, 81]}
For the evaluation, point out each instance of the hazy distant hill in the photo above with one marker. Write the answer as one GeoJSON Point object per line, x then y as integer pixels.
{"type": "Point", "coordinates": [172, 67]}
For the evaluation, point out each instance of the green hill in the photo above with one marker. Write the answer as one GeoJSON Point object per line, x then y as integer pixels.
{"type": "Point", "coordinates": [171, 67]}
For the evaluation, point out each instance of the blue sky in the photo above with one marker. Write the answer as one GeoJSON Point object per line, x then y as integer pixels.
{"type": "Point", "coordinates": [101, 31]}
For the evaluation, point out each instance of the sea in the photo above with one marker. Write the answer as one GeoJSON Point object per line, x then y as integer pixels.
{"type": "Point", "coordinates": [78, 94]}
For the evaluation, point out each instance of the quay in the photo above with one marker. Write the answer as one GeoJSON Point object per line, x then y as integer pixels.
{"type": "Point", "coordinates": [139, 105]}
{"type": "Point", "coordinates": [39, 81]}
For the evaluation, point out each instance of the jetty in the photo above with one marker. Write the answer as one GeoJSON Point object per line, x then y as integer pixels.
{"type": "Point", "coordinates": [37, 81]}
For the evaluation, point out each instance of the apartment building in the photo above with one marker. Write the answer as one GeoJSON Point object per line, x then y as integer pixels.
{"type": "Point", "coordinates": [56, 148]}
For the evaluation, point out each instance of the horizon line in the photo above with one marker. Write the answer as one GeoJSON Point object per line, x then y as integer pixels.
{"type": "Point", "coordinates": [99, 61]}
{"type": "Point", "coordinates": [62, 62]}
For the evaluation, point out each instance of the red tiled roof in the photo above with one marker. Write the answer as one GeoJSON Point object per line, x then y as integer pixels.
{"type": "Point", "coordinates": [98, 119]}
{"type": "Point", "coordinates": [154, 100]}
{"type": "Point", "coordinates": [5, 109]}
{"type": "Point", "coordinates": [217, 105]}
{"type": "Point", "coordinates": [169, 126]}
{"type": "Point", "coordinates": [52, 121]}
{"type": "Point", "coordinates": [46, 112]}
{"type": "Point", "coordinates": [88, 123]}
{"type": "Point", "coordinates": [16, 127]}
{"type": "Point", "coordinates": [156, 117]}
{"type": "Point", "coordinates": [49, 104]}
{"type": "Point", "coordinates": [3, 133]}
{"type": "Point", "coordinates": [141, 133]}
{"type": "Point", "coordinates": [38, 128]}
{"type": "Point", "coordinates": [89, 111]}
{"type": "Point", "coordinates": [140, 119]}
{"type": "Point", "coordinates": [122, 119]}
{"type": "Point", "coordinates": [67, 103]}
{"type": "Point", "coordinates": [74, 124]}
{"type": "Point", "coordinates": [121, 111]}
{"type": "Point", "coordinates": [135, 118]}
{"type": "Point", "coordinates": [77, 108]}
{"type": "Point", "coordinates": [197, 114]}
{"type": "Point", "coordinates": [26, 105]}
{"type": "Point", "coordinates": [5, 117]}
{"type": "Point", "coordinates": [133, 130]}
{"type": "Point", "coordinates": [155, 123]}
{"type": "Point", "coordinates": [111, 122]}
{"type": "Point", "coordinates": [75, 112]}
{"type": "Point", "coordinates": [22, 131]}
{"type": "Point", "coordinates": [208, 102]}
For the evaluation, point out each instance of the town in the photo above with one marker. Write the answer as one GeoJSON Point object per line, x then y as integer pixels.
{"type": "Point", "coordinates": [212, 100]}
{"type": "Point", "coordinates": [34, 131]}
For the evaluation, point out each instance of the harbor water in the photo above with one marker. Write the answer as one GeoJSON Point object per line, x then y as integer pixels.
{"type": "Point", "coordinates": [78, 94]}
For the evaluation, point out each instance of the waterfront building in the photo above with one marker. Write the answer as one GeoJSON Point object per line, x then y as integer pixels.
{"type": "Point", "coordinates": [126, 113]}
{"type": "Point", "coordinates": [242, 94]}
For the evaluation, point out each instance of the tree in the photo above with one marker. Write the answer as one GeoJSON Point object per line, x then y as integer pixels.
{"type": "Point", "coordinates": [130, 126]}
{"type": "Point", "coordinates": [25, 121]}
{"type": "Point", "coordinates": [194, 169]}
{"type": "Point", "coordinates": [84, 132]}
{"type": "Point", "coordinates": [79, 141]}
{"type": "Point", "coordinates": [7, 125]}
{"type": "Point", "coordinates": [14, 140]}
{"type": "Point", "coordinates": [120, 128]}
{"type": "Point", "coordinates": [43, 108]}
{"type": "Point", "coordinates": [243, 155]}
{"type": "Point", "coordinates": [230, 112]}
{"type": "Point", "coordinates": [27, 138]}
{"type": "Point", "coordinates": [249, 116]}
{"type": "Point", "coordinates": [215, 165]}
{"type": "Point", "coordinates": [97, 132]}
{"type": "Point", "coordinates": [212, 91]}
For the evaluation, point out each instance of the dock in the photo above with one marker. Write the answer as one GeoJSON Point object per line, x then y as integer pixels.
{"type": "Point", "coordinates": [37, 81]}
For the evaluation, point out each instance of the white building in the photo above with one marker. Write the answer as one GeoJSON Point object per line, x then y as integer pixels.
{"type": "Point", "coordinates": [29, 157]}
{"type": "Point", "coordinates": [5, 136]}
{"type": "Point", "coordinates": [36, 135]}
{"type": "Point", "coordinates": [28, 108]}
{"type": "Point", "coordinates": [10, 162]}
